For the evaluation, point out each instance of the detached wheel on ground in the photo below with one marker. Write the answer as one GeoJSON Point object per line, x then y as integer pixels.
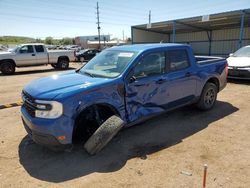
{"type": "Point", "coordinates": [103, 134]}
{"type": "Point", "coordinates": [63, 63]}
{"type": "Point", "coordinates": [7, 67]}
{"type": "Point", "coordinates": [208, 97]}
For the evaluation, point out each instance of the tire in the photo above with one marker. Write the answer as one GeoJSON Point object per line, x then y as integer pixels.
{"type": "Point", "coordinates": [8, 68]}
{"type": "Point", "coordinates": [103, 134]}
{"type": "Point", "coordinates": [63, 63]}
{"type": "Point", "coordinates": [208, 97]}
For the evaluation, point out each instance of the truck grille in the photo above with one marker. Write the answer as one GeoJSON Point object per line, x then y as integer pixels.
{"type": "Point", "coordinates": [29, 103]}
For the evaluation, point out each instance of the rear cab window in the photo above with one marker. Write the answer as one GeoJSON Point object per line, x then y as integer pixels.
{"type": "Point", "coordinates": [39, 48]}
{"type": "Point", "coordinates": [177, 60]}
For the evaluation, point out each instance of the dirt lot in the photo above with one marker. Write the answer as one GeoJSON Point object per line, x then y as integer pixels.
{"type": "Point", "coordinates": [148, 155]}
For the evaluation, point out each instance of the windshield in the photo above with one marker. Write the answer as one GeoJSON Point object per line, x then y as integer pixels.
{"type": "Point", "coordinates": [243, 52]}
{"type": "Point", "coordinates": [15, 49]}
{"type": "Point", "coordinates": [108, 63]}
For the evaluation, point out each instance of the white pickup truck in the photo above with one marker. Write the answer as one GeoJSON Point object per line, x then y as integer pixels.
{"type": "Point", "coordinates": [33, 55]}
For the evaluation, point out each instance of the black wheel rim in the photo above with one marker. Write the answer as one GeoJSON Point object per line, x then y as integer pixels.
{"type": "Point", "coordinates": [209, 97]}
{"type": "Point", "coordinates": [64, 64]}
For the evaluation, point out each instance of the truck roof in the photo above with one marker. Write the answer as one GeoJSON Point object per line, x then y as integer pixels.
{"type": "Point", "coordinates": [32, 44]}
{"type": "Point", "coordinates": [143, 47]}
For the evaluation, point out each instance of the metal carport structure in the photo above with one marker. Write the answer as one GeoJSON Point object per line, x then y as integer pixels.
{"type": "Point", "coordinates": [215, 34]}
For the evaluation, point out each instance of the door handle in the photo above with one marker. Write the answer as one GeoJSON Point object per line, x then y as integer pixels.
{"type": "Point", "coordinates": [188, 74]}
{"type": "Point", "coordinates": [160, 81]}
{"type": "Point", "coordinates": [33, 54]}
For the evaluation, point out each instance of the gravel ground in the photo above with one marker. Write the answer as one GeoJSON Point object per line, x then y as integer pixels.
{"type": "Point", "coordinates": [151, 154]}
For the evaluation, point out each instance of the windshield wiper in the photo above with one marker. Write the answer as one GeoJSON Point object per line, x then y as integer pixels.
{"type": "Point", "coordinates": [89, 74]}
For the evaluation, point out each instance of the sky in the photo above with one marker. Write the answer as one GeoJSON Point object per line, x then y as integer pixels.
{"type": "Point", "coordinates": [64, 18]}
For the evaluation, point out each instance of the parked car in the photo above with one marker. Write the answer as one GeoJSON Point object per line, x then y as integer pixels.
{"type": "Point", "coordinates": [51, 47]}
{"type": "Point", "coordinates": [32, 55]}
{"type": "Point", "coordinates": [93, 103]}
{"type": "Point", "coordinates": [239, 64]}
{"type": "Point", "coordinates": [3, 48]}
{"type": "Point", "coordinates": [73, 47]}
{"type": "Point", "coordinates": [86, 54]}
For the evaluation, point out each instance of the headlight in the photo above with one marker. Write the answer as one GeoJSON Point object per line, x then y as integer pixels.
{"type": "Point", "coordinates": [48, 109]}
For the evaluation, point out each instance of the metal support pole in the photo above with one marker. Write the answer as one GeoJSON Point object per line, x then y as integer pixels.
{"type": "Point", "coordinates": [241, 29]}
{"type": "Point", "coordinates": [174, 30]}
{"type": "Point", "coordinates": [132, 36]}
{"type": "Point", "coordinates": [210, 42]}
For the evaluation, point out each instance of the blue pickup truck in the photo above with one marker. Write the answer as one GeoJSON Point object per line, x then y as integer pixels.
{"type": "Point", "coordinates": [120, 87]}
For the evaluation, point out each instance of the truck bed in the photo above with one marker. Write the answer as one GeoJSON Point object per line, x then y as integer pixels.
{"type": "Point", "coordinates": [207, 59]}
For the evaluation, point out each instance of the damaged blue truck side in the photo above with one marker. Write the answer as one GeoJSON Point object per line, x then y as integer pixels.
{"type": "Point", "coordinates": [127, 83]}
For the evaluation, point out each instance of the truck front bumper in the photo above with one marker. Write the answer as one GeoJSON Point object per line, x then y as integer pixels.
{"type": "Point", "coordinates": [48, 132]}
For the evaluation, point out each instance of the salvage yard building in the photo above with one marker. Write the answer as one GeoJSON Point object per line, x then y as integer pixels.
{"type": "Point", "coordinates": [215, 34]}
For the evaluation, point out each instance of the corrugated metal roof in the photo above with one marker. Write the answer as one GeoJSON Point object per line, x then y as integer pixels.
{"type": "Point", "coordinates": [224, 20]}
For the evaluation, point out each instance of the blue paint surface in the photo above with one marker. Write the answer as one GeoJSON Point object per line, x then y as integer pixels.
{"type": "Point", "coordinates": [133, 101]}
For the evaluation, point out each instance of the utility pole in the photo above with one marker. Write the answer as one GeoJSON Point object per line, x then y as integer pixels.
{"type": "Point", "coordinates": [149, 17]}
{"type": "Point", "coordinates": [98, 24]}
{"type": "Point", "coordinates": [149, 20]}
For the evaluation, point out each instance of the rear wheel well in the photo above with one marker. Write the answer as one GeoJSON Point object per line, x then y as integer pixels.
{"type": "Point", "coordinates": [63, 57]}
{"type": "Point", "coordinates": [87, 122]}
{"type": "Point", "coordinates": [215, 81]}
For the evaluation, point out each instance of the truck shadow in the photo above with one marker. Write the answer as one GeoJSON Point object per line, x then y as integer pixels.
{"type": "Point", "coordinates": [138, 141]}
{"type": "Point", "coordinates": [26, 72]}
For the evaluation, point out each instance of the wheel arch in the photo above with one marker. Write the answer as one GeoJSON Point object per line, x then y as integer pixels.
{"type": "Point", "coordinates": [9, 60]}
{"type": "Point", "coordinates": [106, 110]}
{"type": "Point", "coordinates": [215, 81]}
{"type": "Point", "coordinates": [63, 57]}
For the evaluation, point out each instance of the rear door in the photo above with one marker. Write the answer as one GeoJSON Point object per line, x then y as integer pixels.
{"type": "Point", "coordinates": [146, 87]}
{"type": "Point", "coordinates": [26, 56]}
{"type": "Point", "coordinates": [181, 78]}
{"type": "Point", "coordinates": [41, 54]}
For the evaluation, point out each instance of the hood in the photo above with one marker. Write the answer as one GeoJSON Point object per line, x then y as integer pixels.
{"type": "Point", "coordinates": [238, 61]}
{"type": "Point", "coordinates": [5, 54]}
{"type": "Point", "coordinates": [70, 82]}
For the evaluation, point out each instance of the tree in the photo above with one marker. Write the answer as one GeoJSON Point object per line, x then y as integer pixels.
{"type": "Point", "coordinates": [39, 40]}
{"type": "Point", "coordinates": [48, 40]}
{"type": "Point", "coordinates": [67, 41]}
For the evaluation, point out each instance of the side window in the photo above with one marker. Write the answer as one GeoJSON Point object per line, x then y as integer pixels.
{"type": "Point", "coordinates": [150, 65]}
{"type": "Point", "coordinates": [26, 49]}
{"type": "Point", "coordinates": [178, 60]}
{"type": "Point", "coordinates": [39, 48]}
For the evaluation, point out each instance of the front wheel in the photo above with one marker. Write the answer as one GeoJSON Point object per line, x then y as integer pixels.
{"type": "Point", "coordinates": [103, 134]}
{"type": "Point", "coordinates": [208, 97]}
{"type": "Point", "coordinates": [7, 68]}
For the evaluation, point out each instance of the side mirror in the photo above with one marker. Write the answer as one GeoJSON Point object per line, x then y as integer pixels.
{"type": "Point", "coordinates": [231, 54]}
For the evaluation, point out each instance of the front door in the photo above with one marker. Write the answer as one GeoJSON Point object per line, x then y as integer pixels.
{"type": "Point", "coordinates": [146, 87]}
{"type": "Point", "coordinates": [26, 56]}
